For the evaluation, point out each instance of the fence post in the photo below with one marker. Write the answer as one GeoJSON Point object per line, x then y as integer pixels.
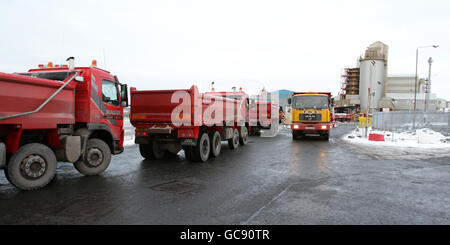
{"type": "Point", "coordinates": [448, 121]}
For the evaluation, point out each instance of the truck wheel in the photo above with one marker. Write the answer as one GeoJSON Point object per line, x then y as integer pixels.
{"type": "Point", "coordinates": [203, 148]}
{"type": "Point", "coordinates": [96, 159]}
{"type": "Point", "coordinates": [326, 136]}
{"type": "Point", "coordinates": [216, 144]}
{"type": "Point", "coordinates": [152, 151]}
{"type": "Point", "coordinates": [189, 153]}
{"type": "Point", "coordinates": [243, 139]}
{"type": "Point", "coordinates": [146, 151]}
{"type": "Point", "coordinates": [233, 143]}
{"type": "Point", "coordinates": [158, 152]}
{"type": "Point", "coordinates": [32, 167]}
{"type": "Point", "coordinates": [297, 135]}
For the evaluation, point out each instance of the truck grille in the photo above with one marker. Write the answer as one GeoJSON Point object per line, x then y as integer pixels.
{"type": "Point", "coordinates": [310, 117]}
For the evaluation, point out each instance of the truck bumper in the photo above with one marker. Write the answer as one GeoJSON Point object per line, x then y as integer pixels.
{"type": "Point", "coordinates": [2, 155]}
{"type": "Point", "coordinates": [311, 128]}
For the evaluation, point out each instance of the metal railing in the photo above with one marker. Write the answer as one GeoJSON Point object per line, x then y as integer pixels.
{"type": "Point", "coordinates": [397, 121]}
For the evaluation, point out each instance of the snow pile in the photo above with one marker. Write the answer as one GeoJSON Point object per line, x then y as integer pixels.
{"type": "Point", "coordinates": [422, 138]}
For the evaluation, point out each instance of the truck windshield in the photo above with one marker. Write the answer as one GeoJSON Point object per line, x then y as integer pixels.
{"type": "Point", "coordinates": [310, 102]}
{"type": "Point", "coordinates": [57, 76]}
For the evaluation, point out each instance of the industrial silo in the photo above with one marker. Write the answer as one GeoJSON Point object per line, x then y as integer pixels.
{"type": "Point", "coordinates": [373, 75]}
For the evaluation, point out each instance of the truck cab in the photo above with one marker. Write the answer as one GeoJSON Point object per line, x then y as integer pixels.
{"type": "Point", "coordinates": [312, 113]}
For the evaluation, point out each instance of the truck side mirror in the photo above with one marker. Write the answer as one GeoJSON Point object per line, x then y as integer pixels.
{"type": "Point", "coordinates": [289, 101]}
{"type": "Point", "coordinates": [124, 95]}
{"type": "Point", "coordinates": [332, 102]}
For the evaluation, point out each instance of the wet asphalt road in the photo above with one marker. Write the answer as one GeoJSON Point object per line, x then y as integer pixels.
{"type": "Point", "coordinates": [269, 181]}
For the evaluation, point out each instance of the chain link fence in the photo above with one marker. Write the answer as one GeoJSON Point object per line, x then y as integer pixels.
{"type": "Point", "coordinates": [397, 121]}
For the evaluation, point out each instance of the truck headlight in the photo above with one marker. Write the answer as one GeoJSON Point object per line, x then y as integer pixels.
{"type": "Point", "coordinates": [296, 126]}
{"type": "Point", "coordinates": [324, 126]}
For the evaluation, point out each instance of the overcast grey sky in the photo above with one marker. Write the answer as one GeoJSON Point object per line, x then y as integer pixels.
{"type": "Point", "coordinates": [297, 45]}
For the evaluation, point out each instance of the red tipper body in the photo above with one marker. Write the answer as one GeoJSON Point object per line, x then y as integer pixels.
{"type": "Point", "coordinates": [261, 115]}
{"type": "Point", "coordinates": [171, 120]}
{"type": "Point", "coordinates": [151, 112]}
{"type": "Point", "coordinates": [79, 104]}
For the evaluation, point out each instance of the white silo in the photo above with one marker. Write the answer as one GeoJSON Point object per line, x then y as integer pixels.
{"type": "Point", "coordinates": [373, 75]}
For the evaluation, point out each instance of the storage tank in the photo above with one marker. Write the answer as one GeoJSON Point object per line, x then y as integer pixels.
{"type": "Point", "coordinates": [373, 71]}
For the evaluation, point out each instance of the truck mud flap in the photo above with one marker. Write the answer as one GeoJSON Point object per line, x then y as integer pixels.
{"type": "Point", "coordinates": [71, 150]}
{"type": "Point", "coordinates": [2, 155]}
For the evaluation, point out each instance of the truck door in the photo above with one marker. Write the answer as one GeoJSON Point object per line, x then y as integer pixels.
{"type": "Point", "coordinates": [113, 115]}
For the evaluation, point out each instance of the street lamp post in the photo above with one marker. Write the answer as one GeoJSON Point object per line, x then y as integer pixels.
{"type": "Point", "coordinates": [428, 86]}
{"type": "Point", "coordinates": [415, 83]}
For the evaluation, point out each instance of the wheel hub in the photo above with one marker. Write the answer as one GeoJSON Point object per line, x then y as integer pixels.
{"type": "Point", "coordinates": [33, 166]}
{"type": "Point", "coordinates": [94, 157]}
{"type": "Point", "coordinates": [205, 147]}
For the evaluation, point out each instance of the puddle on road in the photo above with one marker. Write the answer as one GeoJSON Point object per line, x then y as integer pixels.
{"type": "Point", "coordinates": [176, 186]}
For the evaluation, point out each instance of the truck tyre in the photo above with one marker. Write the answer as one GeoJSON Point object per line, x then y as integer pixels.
{"type": "Point", "coordinates": [158, 151]}
{"type": "Point", "coordinates": [326, 136]}
{"type": "Point", "coordinates": [243, 139]}
{"type": "Point", "coordinates": [216, 144]}
{"type": "Point", "coordinates": [96, 158]}
{"type": "Point", "coordinates": [233, 143]}
{"type": "Point", "coordinates": [146, 151]}
{"type": "Point", "coordinates": [152, 151]}
{"type": "Point", "coordinates": [297, 135]}
{"type": "Point", "coordinates": [32, 167]}
{"type": "Point", "coordinates": [189, 153]}
{"type": "Point", "coordinates": [203, 148]}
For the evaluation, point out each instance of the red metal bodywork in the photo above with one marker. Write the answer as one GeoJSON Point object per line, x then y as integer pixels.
{"type": "Point", "coordinates": [342, 117]}
{"type": "Point", "coordinates": [78, 103]}
{"type": "Point", "coordinates": [261, 113]}
{"type": "Point", "coordinates": [151, 112]}
{"type": "Point", "coordinates": [242, 102]}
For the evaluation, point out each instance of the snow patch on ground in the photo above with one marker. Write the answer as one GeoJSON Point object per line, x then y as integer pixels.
{"type": "Point", "coordinates": [422, 138]}
{"type": "Point", "coordinates": [419, 144]}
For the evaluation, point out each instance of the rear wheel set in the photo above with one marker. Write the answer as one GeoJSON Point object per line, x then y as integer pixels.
{"type": "Point", "coordinates": [202, 151]}
{"type": "Point", "coordinates": [152, 151]}
{"type": "Point", "coordinates": [32, 167]}
{"type": "Point", "coordinates": [243, 138]}
{"type": "Point", "coordinates": [233, 143]}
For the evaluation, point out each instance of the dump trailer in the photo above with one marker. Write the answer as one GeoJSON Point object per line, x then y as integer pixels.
{"type": "Point", "coordinates": [243, 107]}
{"type": "Point", "coordinates": [262, 115]}
{"type": "Point", "coordinates": [343, 117]}
{"type": "Point", "coordinates": [59, 113]}
{"type": "Point", "coordinates": [167, 121]}
{"type": "Point", "coordinates": [312, 113]}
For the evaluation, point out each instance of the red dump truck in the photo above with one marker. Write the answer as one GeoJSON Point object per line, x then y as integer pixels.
{"type": "Point", "coordinates": [243, 104]}
{"type": "Point", "coordinates": [167, 121]}
{"type": "Point", "coordinates": [59, 113]}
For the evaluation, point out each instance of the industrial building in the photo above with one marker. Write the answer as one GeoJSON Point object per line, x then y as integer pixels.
{"type": "Point", "coordinates": [283, 96]}
{"type": "Point", "coordinates": [368, 87]}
